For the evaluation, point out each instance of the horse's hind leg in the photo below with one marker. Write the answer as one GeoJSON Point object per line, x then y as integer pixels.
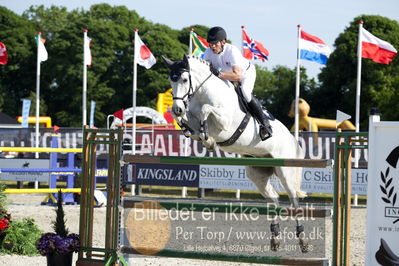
{"type": "Point", "coordinates": [289, 177]}
{"type": "Point", "coordinates": [300, 234]}
{"type": "Point", "coordinates": [260, 177]}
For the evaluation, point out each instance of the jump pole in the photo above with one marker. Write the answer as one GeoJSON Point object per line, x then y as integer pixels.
{"type": "Point", "coordinates": [40, 190]}
{"type": "Point", "coordinates": [32, 149]}
{"type": "Point", "coordinates": [170, 253]}
{"type": "Point", "coordinates": [311, 163]}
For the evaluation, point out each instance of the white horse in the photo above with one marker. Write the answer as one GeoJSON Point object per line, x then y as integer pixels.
{"type": "Point", "coordinates": [207, 108]}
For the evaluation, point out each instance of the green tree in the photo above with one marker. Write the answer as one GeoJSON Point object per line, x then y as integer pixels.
{"type": "Point", "coordinates": [380, 82]}
{"type": "Point", "coordinates": [110, 76]}
{"type": "Point", "coordinates": [18, 77]}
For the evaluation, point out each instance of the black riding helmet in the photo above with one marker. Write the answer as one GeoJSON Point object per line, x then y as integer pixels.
{"type": "Point", "coordinates": [216, 34]}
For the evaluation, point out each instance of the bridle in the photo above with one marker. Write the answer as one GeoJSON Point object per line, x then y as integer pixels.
{"type": "Point", "coordinates": [191, 92]}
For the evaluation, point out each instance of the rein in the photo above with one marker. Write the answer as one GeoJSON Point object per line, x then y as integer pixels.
{"type": "Point", "coordinates": [191, 92]}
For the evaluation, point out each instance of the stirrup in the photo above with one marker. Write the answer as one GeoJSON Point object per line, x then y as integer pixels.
{"type": "Point", "coordinates": [265, 132]}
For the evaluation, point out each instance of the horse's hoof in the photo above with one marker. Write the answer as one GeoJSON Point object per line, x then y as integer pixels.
{"type": "Point", "coordinates": [206, 136]}
{"type": "Point", "coordinates": [274, 244]}
{"type": "Point", "coordinates": [304, 246]}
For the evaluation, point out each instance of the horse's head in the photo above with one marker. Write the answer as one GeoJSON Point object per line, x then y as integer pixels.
{"type": "Point", "coordinates": [180, 80]}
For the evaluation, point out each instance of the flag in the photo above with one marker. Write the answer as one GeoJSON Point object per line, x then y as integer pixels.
{"type": "Point", "coordinates": [376, 49]}
{"type": "Point", "coordinates": [313, 49]}
{"type": "Point", "coordinates": [119, 114]}
{"type": "Point", "coordinates": [25, 112]}
{"type": "Point", "coordinates": [3, 54]}
{"type": "Point", "coordinates": [42, 52]}
{"type": "Point", "coordinates": [253, 49]}
{"type": "Point", "coordinates": [142, 54]}
{"type": "Point", "coordinates": [86, 51]}
{"type": "Point", "coordinates": [200, 45]}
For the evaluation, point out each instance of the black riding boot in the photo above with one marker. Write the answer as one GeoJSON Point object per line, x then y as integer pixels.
{"type": "Point", "coordinates": [265, 130]}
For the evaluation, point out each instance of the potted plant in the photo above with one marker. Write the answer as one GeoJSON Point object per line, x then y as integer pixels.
{"type": "Point", "coordinates": [58, 247]}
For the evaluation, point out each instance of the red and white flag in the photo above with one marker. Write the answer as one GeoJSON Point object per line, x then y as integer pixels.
{"type": "Point", "coordinates": [3, 54]}
{"type": "Point", "coordinates": [119, 114]}
{"type": "Point", "coordinates": [86, 50]}
{"type": "Point", "coordinates": [376, 49]}
{"type": "Point", "coordinates": [142, 54]}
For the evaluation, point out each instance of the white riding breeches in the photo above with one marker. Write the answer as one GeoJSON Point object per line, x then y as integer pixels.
{"type": "Point", "coordinates": [248, 82]}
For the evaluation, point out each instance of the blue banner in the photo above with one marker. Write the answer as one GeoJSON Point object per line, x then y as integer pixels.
{"type": "Point", "coordinates": [162, 174]}
{"type": "Point", "coordinates": [92, 108]}
{"type": "Point", "coordinates": [25, 112]}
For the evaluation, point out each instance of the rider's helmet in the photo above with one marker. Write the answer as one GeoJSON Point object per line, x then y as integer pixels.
{"type": "Point", "coordinates": [216, 34]}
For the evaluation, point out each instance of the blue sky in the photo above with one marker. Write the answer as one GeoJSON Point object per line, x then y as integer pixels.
{"type": "Point", "coordinates": [273, 23]}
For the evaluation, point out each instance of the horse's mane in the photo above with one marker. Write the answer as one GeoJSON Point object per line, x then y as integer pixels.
{"type": "Point", "coordinates": [199, 63]}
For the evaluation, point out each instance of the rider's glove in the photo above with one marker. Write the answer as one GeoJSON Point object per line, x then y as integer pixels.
{"type": "Point", "coordinates": [214, 70]}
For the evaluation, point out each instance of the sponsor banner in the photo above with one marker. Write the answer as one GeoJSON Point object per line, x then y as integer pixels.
{"type": "Point", "coordinates": [314, 180]}
{"type": "Point", "coordinates": [224, 177]}
{"type": "Point", "coordinates": [24, 164]}
{"type": "Point", "coordinates": [321, 180]}
{"type": "Point", "coordinates": [162, 174]}
{"type": "Point", "coordinates": [382, 246]}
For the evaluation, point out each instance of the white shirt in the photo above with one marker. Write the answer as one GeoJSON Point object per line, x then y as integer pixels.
{"type": "Point", "coordinates": [229, 57]}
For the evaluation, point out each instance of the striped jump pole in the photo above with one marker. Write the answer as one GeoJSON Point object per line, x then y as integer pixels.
{"type": "Point", "coordinates": [40, 190]}
{"type": "Point", "coordinates": [311, 163]}
{"type": "Point", "coordinates": [32, 149]}
{"type": "Point", "coordinates": [234, 257]}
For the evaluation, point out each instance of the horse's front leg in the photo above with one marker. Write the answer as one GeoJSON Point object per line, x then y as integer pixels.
{"type": "Point", "coordinates": [220, 119]}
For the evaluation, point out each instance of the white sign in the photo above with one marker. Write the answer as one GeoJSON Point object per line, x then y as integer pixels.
{"type": "Point", "coordinates": [24, 164]}
{"type": "Point", "coordinates": [382, 246]}
{"type": "Point", "coordinates": [314, 180]}
{"type": "Point", "coordinates": [224, 177]}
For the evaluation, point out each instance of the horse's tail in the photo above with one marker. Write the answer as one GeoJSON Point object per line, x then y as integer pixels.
{"type": "Point", "coordinates": [298, 173]}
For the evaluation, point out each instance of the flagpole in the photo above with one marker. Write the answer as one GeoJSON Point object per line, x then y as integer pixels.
{"type": "Point", "coordinates": [242, 39]}
{"type": "Point", "coordinates": [190, 43]}
{"type": "Point", "coordinates": [297, 84]}
{"type": "Point", "coordinates": [358, 87]}
{"type": "Point", "coordinates": [39, 34]}
{"type": "Point", "coordinates": [359, 74]}
{"type": "Point", "coordinates": [84, 101]}
{"type": "Point", "coordinates": [134, 94]}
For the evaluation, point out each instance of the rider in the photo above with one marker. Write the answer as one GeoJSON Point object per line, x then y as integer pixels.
{"type": "Point", "coordinates": [227, 63]}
